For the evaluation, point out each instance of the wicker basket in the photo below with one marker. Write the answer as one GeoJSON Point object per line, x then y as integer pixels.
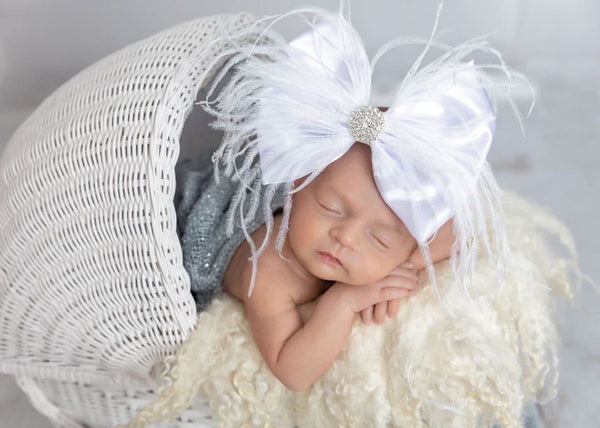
{"type": "Point", "coordinates": [93, 293]}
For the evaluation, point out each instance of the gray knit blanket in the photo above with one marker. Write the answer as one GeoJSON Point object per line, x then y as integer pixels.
{"type": "Point", "coordinates": [202, 207]}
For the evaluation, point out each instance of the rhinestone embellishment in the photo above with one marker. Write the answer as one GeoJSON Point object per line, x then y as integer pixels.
{"type": "Point", "coordinates": [366, 123]}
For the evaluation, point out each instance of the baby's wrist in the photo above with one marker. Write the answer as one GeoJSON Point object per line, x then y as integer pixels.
{"type": "Point", "coordinates": [338, 297]}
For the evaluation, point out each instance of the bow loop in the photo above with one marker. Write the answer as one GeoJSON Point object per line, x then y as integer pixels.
{"type": "Point", "coordinates": [437, 135]}
{"type": "Point", "coordinates": [323, 70]}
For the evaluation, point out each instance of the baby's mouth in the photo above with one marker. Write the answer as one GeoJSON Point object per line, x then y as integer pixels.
{"type": "Point", "coordinates": [329, 258]}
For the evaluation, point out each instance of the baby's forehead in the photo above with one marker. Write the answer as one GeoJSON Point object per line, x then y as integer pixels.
{"type": "Point", "coordinates": [355, 164]}
{"type": "Point", "coordinates": [357, 192]}
{"type": "Point", "coordinates": [344, 174]}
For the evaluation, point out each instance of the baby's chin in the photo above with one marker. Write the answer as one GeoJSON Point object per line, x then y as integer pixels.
{"type": "Point", "coordinates": [325, 274]}
{"type": "Point", "coordinates": [344, 274]}
{"type": "Point", "coordinates": [344, 278]}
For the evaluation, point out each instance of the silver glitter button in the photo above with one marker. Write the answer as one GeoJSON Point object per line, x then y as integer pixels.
{"type": "Point", "coordinates": [366, 123]}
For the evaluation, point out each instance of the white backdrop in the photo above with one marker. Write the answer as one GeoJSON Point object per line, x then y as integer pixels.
{"type": "Point", "coordinates": [555, 42]}
{"type": "Point", "coordinates": [44, 42]}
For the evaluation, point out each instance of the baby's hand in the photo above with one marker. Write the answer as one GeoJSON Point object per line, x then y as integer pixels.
{"type": "Point", "coordinates": [394, 287]}
{"type": "Point", "coordinates": [377, 312]}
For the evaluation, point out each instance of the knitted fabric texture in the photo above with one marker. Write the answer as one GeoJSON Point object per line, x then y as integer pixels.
{"type": "Point", "coordinates": [203, 205]}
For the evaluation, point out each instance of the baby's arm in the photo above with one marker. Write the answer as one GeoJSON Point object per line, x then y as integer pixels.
{"type": "Point", "coordinates": [298, 354]}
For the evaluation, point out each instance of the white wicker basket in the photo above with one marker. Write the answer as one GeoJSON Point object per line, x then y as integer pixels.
{"type": "Point", "coordinates": [93, 293]}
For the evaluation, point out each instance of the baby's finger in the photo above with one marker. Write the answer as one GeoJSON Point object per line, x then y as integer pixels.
{"type": "Point", "coordinates": [405, 272]}
{"type": "Point", "coordinates": [393, 307]}
{"type": "Point", "coordinates": [393, 292]}
{"type": "Point", "coordinates": [366, 315]}
{"type": "Point", "coordinates": [389, 288]}
{"type": "Point", "coordinates": [401, 282]}
{"type": "Point", "coordinates": [379, 312]}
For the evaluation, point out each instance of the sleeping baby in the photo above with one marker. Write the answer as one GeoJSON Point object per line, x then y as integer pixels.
{"type": "Point", "coordinates": [346, 253]}
{"type": "Point", "coordinates": [344, 247]}
{"type": "Point", "coordinates": [362, 198]}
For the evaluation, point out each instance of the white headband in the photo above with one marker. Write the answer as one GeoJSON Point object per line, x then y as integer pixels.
{"type": "Point", "coordinates": [299, 106]}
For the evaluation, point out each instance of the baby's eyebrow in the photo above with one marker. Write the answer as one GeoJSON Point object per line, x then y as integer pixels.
{"type": "Point", "coordinates": [397, 228]}
{"type": "Point", "coordinates": [387, 226]}
{"type": "Point", "coordinates": [390, 229]}
{"type": "Point", "coordinates": [332, 191]}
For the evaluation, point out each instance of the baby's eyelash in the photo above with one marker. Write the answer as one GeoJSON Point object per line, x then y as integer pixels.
{"type": "Point", "coordinates": [383, 244]}
{"type": "Point", "coordinates": [328, 209]}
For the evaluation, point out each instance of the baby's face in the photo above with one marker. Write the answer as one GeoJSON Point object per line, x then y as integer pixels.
{"type": "Point", "coordinates": [341, 229]}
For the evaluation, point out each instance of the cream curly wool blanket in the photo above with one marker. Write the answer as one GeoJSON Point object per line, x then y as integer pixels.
{"type": "Point", "coordinates": [456, 363]}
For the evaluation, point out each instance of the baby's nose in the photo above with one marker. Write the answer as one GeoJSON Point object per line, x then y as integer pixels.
{"type": "Point", "coordinates": [346, 234]}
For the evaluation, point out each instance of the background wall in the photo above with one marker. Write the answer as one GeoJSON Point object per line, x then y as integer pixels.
{"type": "Point", "coordinates": [555, 42]}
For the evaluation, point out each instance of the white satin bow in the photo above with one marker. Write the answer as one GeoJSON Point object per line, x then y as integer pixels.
{"type": "Point", "coordinates": [434, 140]}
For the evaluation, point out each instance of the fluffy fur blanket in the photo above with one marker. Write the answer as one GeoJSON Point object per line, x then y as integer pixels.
{"type": "Point", "coordinates": [456, 363]}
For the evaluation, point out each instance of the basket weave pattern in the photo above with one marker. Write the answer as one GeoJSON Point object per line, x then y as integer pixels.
{"type": "Point", "coordinates": [93, 293]}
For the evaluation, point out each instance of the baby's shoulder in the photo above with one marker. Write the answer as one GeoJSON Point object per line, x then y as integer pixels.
{"type": "Point", "coordinates": [275, 278]}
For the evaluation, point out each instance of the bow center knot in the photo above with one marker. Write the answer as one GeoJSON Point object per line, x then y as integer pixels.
{"type": "Point", "coordinates": [366, 123]}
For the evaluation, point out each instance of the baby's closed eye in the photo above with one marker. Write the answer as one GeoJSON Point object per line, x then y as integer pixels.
{"type": "Point", "coordinates": [381, 241]}
{"type": "Point", "coordinates": [330, 208]}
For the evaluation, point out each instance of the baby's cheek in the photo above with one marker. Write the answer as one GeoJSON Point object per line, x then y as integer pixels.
{"type": "Point", "coordinates": [370, 270]}
{"type": "Point", "coordinates": [383, 265]}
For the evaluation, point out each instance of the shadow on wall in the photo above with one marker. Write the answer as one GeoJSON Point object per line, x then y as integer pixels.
{"type": "Point", "coordinates": [196, 135]}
